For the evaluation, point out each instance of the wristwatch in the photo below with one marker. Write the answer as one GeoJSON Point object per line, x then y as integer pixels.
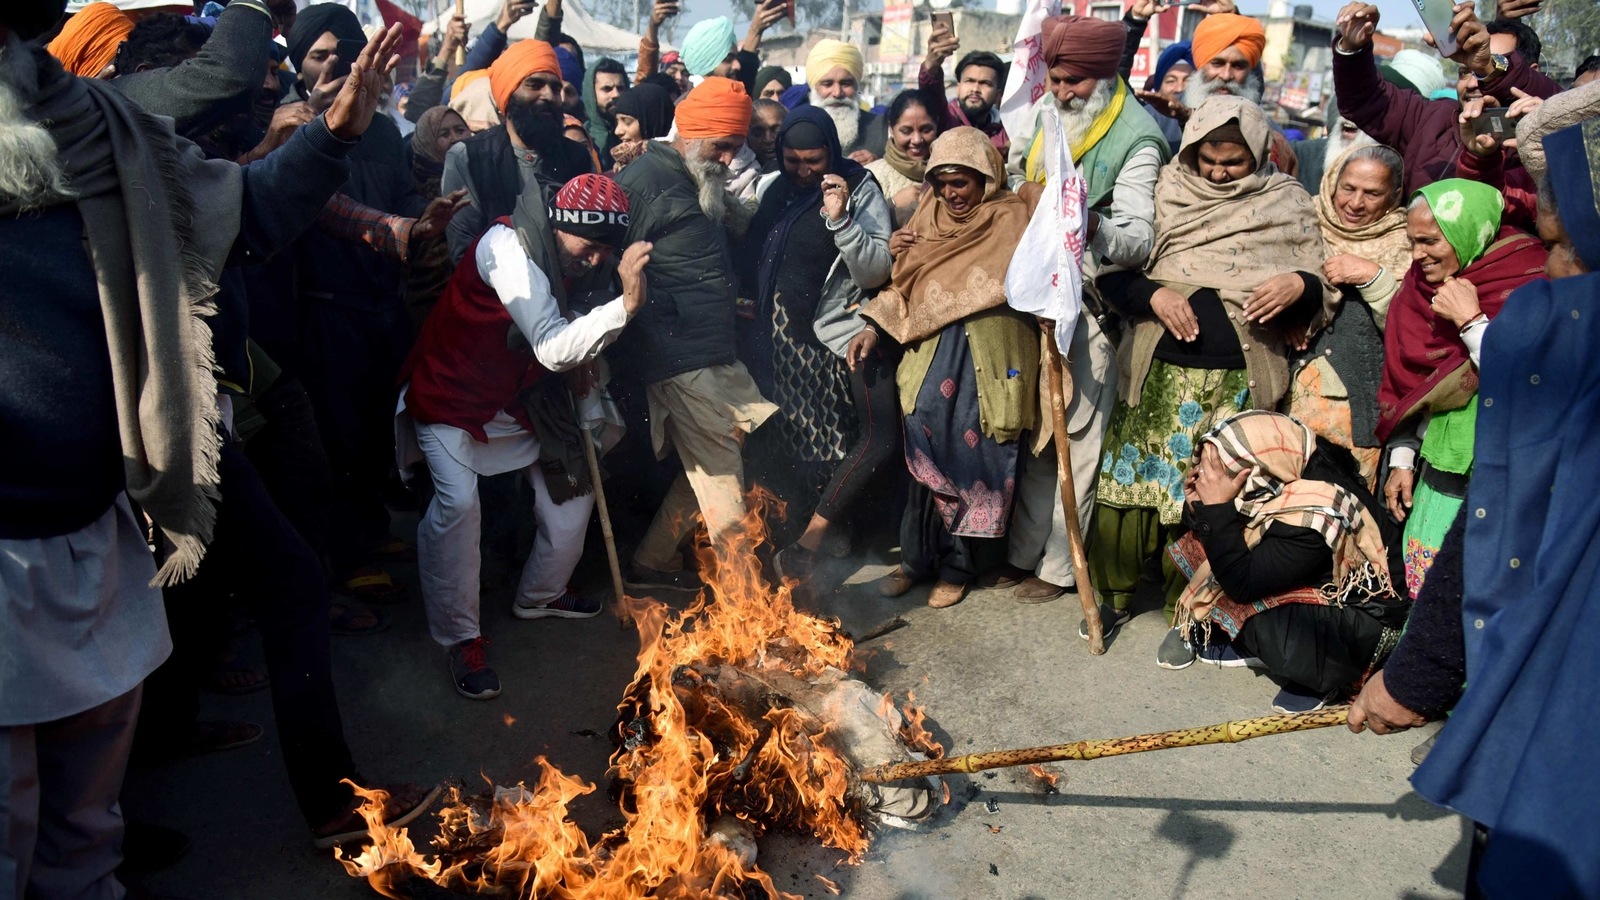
{"type": "Point", "coordinates": [1500, 65]}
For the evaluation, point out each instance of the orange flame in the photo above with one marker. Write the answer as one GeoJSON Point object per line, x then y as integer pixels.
{"type": "Point", "coordinates": [914, 733]}
{"type": "Point", "coordinates": [689, 756]}
{"type": "Point", "coordinates": [1046, 776]}
{"type": "Point", "coordinates": [831, 885]}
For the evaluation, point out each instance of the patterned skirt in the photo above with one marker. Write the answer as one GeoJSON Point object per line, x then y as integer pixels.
{"type": "Point", "coordinates": [973, 477]}
{"type": "Point", "coordinates": [1321, 402]}
{"type": "Point", "coordinates": [1435, 502]}
{"type": "Point", "coordinates": [1149, 447]}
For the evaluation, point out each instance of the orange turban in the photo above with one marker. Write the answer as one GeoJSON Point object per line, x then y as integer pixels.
{"type": "Point", "coordinates": [717, 107]}
{"type": "Point", "coordinates": [464, 79]}
{"type": "Point", "coordinates": [520, 60]}
{"type": "Point", "coordinates": [89, 40]}
{"type": "Point", "coordinates": [1218, 32]}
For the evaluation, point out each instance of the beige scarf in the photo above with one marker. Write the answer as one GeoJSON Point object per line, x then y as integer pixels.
{"type": "Point", "coordinates": [1383, 241]}
{"type": "Point", "coordinates": [958, 265]}
{"type": "Point", "coordinates": [156, 253]}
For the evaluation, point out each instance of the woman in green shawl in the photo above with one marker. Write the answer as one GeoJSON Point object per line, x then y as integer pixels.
{"type": "Point", "coordinates": [1464, 265]}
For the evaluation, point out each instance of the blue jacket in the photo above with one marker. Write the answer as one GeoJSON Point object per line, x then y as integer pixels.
{"type": "Point", "coordinates": [1520, 752]}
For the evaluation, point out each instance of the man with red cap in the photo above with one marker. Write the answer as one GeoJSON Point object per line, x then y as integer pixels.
{"type": "Point", "coordinates": [480, 399]}
{"type": "Point", "coordinates": [1119, 150]}
{"type": "Point", "coordinates": [493, 166]}
{"type": "Point", "coordinates": [702, 399]}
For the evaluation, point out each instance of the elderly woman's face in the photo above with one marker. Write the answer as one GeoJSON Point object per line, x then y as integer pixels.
{"type": "Point", "coordinates": [452, 131]}
{"type": "Point", "coordinates": [1224, 162]}
{"type": "Point", "coordinates": [1429, 249]}
{"type": "Point", "coordinates": [958, 187]}
{"type": "Point", "coordinates": [1364, 192]}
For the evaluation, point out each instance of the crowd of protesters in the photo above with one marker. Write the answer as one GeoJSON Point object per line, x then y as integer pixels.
{"type": "Point", "coordinates": [1330, 402]}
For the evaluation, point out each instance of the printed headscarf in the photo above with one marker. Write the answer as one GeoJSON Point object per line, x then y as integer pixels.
{"type": "Point", "coordinates": [1468, 212]}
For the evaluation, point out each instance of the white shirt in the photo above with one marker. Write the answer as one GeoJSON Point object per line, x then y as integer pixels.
{"type": "Point", "coordinates": [558, 344]}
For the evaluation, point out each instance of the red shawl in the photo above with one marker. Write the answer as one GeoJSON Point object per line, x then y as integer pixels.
{"type": "Point", "coordinates": [1425, 363]}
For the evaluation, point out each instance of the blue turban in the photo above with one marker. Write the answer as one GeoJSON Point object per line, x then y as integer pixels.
{"type": "Point", "coordinates": [1174, 54]}
{"type": "Point", "coordinates": [796, 97]}
{"type": "Point", "coordinates": [707, 44]}
{"type": "Point", "coordinates": [1571, 156]}
{"type": "Point", "coordinates": [571, 67]}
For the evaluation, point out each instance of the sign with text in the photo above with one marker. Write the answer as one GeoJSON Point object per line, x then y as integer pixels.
{"type": "Point", "coordinates": [895, 45]}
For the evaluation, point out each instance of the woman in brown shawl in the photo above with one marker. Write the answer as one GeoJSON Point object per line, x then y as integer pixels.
{"type": "Point", "coordinates": [1237, 262]}
{"type": "Point", "coordinates": [968, 380]}
{"type": "Point", "coordinates": [1334, 389]}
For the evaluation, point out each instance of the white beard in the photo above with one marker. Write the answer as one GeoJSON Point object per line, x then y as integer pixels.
{"type": "Point", "coordinates": [1337, 145]}
{"type": "Point", "coordinates": [31, 175]}
{"type": "Point", "coordinates": [846, 116]}
{"type": "Point", "coordinates": [1200, 89]}
{"type": "Point", "coordinates": [711, 180]}
{"type": "Point", "coordinates": [1078, 114]}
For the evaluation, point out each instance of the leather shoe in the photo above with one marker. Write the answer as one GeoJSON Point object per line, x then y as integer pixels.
{"type": "Point", "coordinates": [1003, 576]}
{"type": "Point", "coordinates": [946, 594]}
{"type": "Point", "coordinates": [896, 583]}
{"type": "Point", "coordinates": [1037, 590]}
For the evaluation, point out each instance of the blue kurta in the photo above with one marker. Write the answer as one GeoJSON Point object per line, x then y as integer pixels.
{"type": "Point", "coordinates": [1520, 752]}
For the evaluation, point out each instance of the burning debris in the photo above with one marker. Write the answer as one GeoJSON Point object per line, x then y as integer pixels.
{"type": "Point", "coordinates": [741, 719]}
{"type": "Point", "coordinates": [1047, 779]}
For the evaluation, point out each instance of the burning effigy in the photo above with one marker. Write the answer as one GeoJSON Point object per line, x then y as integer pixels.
{"type": "Point", "coordinates": [742, 718]}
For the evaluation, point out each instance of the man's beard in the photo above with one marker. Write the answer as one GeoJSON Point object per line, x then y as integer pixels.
{"type": "Point", "coordinates": [535, 122]}
{"type": "Point", "coordinates": [978, 113]}
{"type": "Point", "coordinates": [1200, 89]}
{"type": "Point", "coordinates": [846, 116]}
{"type": "Point", "coordinates": [1338, 144]}
{"type": "Point", "coordinates": [31, 174]}
{"type": "Point", "coordinates": [1078, 114]}
{"type": "Point", "coordinates": [711, 181]}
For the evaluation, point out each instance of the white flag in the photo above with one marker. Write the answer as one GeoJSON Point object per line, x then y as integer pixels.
{"type": "Point", "coordinates": [1028, 79]}
{"type": "Point", "coordinates": [1045, 277]}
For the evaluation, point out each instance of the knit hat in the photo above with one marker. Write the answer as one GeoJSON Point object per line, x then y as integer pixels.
{"type": "Point", "coordinates": [591, 206]}
{"type": "Point", "coordinates": [707, 44]}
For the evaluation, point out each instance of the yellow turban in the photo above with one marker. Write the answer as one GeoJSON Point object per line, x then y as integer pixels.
{"type": "Point", "coordinates": [1220, 31]}
{"type": "Point", "coordinates": [89, 40]}
{"type": "Point", "coordinates": [828, 55]}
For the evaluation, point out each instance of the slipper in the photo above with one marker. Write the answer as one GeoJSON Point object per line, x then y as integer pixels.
{"type": "Point", "coordinates": [214, 737]}
{"type": "Point", "coordinates": [373, 585]}
{"type": "Point", "coordinates": [343, 619]}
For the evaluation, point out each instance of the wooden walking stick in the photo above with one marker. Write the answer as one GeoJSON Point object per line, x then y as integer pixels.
{"type": "Point", "coordinates": [605, 513]}
{"type": "Point", "coordinates": [1223, 733]}
{"type": "Point", "coordinates": [461, 60]}
{"type": "Point", "coordinates": [1060, 389]}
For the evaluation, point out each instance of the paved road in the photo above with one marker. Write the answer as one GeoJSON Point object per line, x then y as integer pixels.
{"type": "Point", "coordinates": [1319, 814]}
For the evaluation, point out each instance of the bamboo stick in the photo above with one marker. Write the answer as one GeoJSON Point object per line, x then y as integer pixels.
{"type": "Point", "coordinates": [1222, 733]}
{"type": "Point", "coordinates": [1060, 389]}
{"type": "Point", "coordinates": [605, 512]}
{"type": "Point", "coordinates": [461, 50]}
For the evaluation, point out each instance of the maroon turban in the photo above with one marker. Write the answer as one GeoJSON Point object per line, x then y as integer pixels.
{"type": "Point", "coordinates": [1084, 46]}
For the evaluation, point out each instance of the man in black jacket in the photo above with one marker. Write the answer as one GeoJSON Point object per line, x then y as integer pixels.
{"type": "Point", "coordinates": [701, 397]}
{"type": "Point", "coordinates": [493, 166]}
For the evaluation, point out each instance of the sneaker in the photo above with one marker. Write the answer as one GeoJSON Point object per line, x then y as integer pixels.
{"type": "Point", "coordinates": [1294, 698]}
{"type": "Point", "coordinates": [794, 562]}
{"type": "Point", "coordinates": [1175, 652]}
{"type": "Point", "coordinates": [645, 580]}
{"type": "Point", "coordinates": [1219, 651]}
{"type": "Point", "coordinates": [1110, 620]}
{"type": "Point", "coordinates": [469, 668]}
{"type": "Point", "coordinates": [570, 605]}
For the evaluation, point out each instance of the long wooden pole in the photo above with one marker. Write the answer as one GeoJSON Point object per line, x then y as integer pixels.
{"type": "Point", "coordinates": [1060, 390]}
{"type": "Point", "coordinates": [1223, 733]}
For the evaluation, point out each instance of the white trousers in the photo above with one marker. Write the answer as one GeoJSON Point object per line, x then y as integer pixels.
{"type": "Point", "coordinates": [448, 540]}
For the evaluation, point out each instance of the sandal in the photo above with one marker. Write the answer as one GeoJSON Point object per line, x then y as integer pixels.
{"type": "Point", "coordinates": [373, 585]}
{"type": "Point", "coordinates": [233, 677]}
{"type": "Point", "coordinates": [347, 619]}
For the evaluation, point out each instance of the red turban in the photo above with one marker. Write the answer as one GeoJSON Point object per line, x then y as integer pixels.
{"type": "Point", "coordinates": [89, 40]}
{"type": "Point", "coordinates": [717, 107]}
{"type": "Point", "coordinates": [1084, 46]}
{"type": "Point", "coordinates": [1218, 32]}
{"type": "Point", "coordinates": [520, 60]}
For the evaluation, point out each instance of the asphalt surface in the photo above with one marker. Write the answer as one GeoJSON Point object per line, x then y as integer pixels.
{"type": "Point", "coordinates": [1315, 814]}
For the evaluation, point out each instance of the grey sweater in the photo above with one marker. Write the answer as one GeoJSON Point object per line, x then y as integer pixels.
{"type": "Point", "coordinates": [219, 82]}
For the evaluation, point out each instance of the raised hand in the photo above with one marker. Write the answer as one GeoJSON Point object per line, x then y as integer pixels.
{"type": "Point", "coordinates": [1356, 24]}
{"type": "Point", "coordinates": [662, 11]}
{"type": "Point", "coordinates": [511, 12]}
{"type": "Point", "coordinates": [835, 197]}
{"type": "Point", "coordinates": [630, 270]}
{"type": "Point", "coordinates": [357, 100]}
{"type": "Point", "coordinates": [285, 120]}
{"type": "Point", "coordinates": [438, 214]}
{"type": "Point", "coordinates": [1145, 10]}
